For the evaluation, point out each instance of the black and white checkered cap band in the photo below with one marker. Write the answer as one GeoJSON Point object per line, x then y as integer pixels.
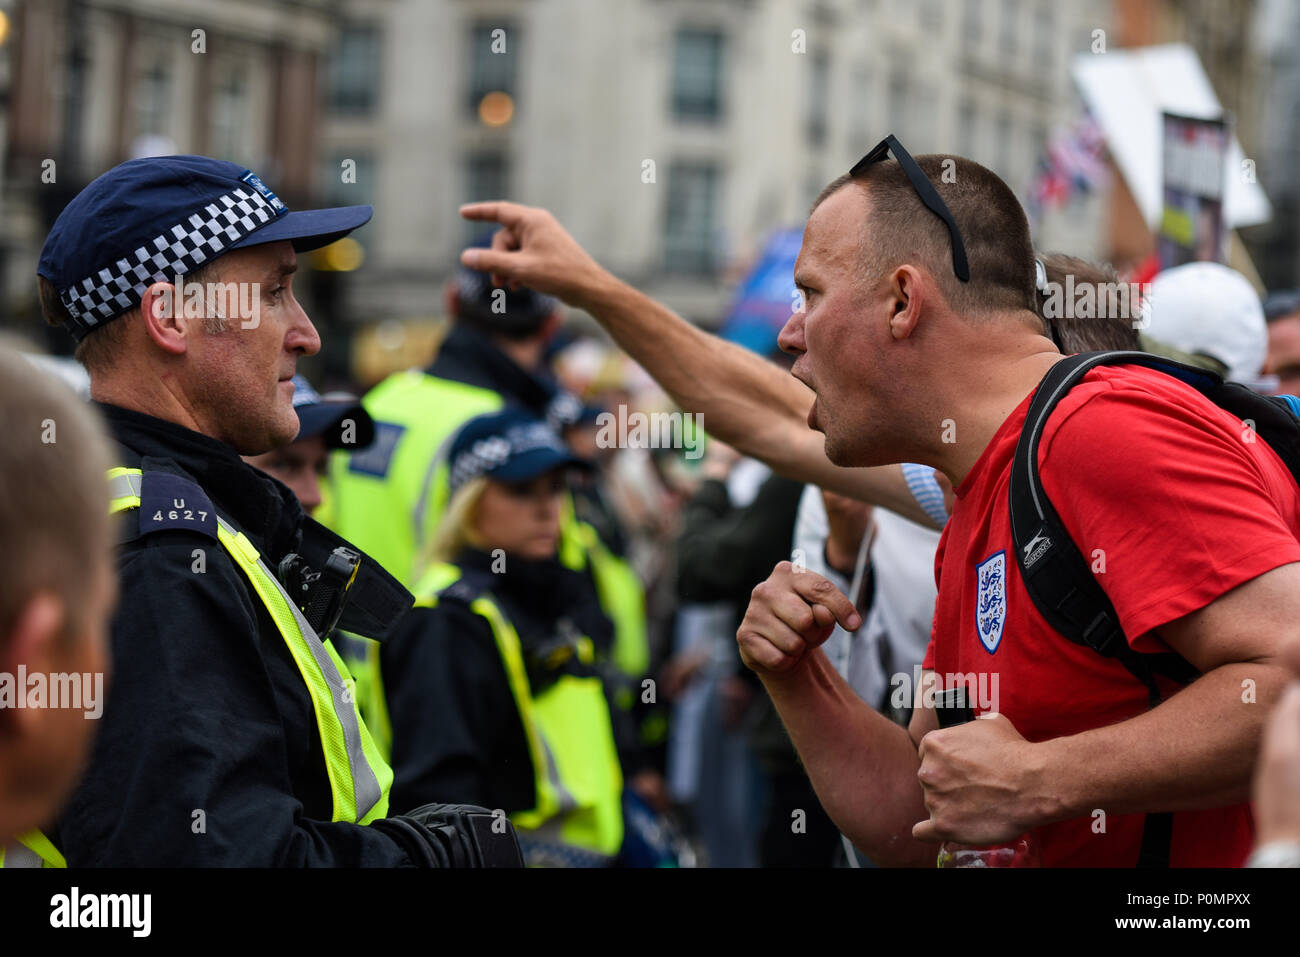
{"type": "Point", "coordinates": [492, 452]}
{"type": "Point", "coordinates": [178, 251]}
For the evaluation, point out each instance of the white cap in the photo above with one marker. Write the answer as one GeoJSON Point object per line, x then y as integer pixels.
{"type": "Point", "coordinates": [1209, 308]}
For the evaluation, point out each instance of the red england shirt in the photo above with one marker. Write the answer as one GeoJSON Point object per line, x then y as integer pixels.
{"type": "Point", "coordinates": [1173, 502]}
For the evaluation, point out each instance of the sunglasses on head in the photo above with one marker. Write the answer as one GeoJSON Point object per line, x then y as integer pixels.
{"type": "Point", "coordinates": [925, 190]}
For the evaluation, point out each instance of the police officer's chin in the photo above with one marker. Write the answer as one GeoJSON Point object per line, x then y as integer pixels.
{"type": "Point", "coordinates": [275, 434]}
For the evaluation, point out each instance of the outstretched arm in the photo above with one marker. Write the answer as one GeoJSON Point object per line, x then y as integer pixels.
{"type": "Point", "coordinates": [746, 402]}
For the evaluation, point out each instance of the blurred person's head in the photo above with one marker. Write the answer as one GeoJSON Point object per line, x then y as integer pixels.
{"type": "Point", "coordinates": [57, 591]}
{"type": "Point", "coordinates": [520, 321]}
{"type": "Point", "coordinates": [1282, 311]}
{"type": "Point", "coordinates": [175, 275]}
{"type": "Point", "coordinates": [326, 423]}
{"type": "Point", "coordinates": [1209, 309]}
{"type": "Point", "coordinates": [507, 476]}
{"type": "Point", "coordinates": [888, 335]}
{"type": "Point", "coordinates": [584, 436]}
{"type": "Point", "coordinates": [1109, 322]}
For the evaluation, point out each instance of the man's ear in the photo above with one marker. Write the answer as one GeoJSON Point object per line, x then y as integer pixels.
{"type": "Point", "coordinates": [163, 313]}
{"type": "Point", "coordinates": [31, 643]}
{"type": "Point", "coordinates": [906, 299]}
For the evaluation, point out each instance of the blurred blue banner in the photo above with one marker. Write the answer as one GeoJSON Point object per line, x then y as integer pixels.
{"type": "Point", "coordinates": [765, 298]}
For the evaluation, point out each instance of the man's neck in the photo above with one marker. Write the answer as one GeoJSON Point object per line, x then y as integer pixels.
{"type": "Point", "coordinates": [147, 394]}
{"type": "Point", "coordinates": [1002, 384]}
{"type": "Point", "coordinates": [525, 353]}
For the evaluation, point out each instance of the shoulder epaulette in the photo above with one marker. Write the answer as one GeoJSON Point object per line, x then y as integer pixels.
{"type": "Point", "coordinates": [170, 502]}
{"type": "Point", "coordinates": [463, 590]}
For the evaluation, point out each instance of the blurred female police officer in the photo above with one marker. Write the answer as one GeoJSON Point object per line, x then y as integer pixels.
{"type": "Point", "coordinates": [494, 682]}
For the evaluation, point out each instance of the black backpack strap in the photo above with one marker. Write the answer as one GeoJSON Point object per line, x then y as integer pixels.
{"type": "Point", "coordinates": [1055, 573]}
{"type": "Point", "coordinates": [1057, 576]}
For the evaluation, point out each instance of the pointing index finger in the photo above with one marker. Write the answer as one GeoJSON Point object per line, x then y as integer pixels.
{"type": "Point", "coordinates": [507, 214]}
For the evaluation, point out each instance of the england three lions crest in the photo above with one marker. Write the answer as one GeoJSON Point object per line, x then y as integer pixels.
{"type": "Point", "coordinates": [991, 600]}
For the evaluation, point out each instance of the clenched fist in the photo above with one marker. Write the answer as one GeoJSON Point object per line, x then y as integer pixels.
{"type": "Point", "coordinates": [791, 613]}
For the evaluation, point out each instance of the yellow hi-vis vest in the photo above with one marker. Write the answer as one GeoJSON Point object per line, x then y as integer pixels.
{"type": "Point", "coordinates": [359, 777]}
{"type": "Point", "coordinates": [621, 594]}
{"type": "Point", "coordinates": [387, 499]}
{"type": "Point", "coordinates": [576, 773]}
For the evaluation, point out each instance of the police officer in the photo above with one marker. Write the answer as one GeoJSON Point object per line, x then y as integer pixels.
{"type": "Point", "coordinates": [231, 736]}
{"type": "Point", "coordinates": [495, 683]}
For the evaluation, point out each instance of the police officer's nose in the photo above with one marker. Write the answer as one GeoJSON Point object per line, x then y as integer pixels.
{"type": "Point", "coordinates": [302, 336]}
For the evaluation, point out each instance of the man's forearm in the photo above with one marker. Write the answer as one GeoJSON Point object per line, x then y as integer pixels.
{"type": "Point", "coordinates": [1196, 750]}
{"type": "Point", "coordinates": [862, 765]}
{"type": "Point", "coordinates": [747, 402]}
{"type": "Point", "coordinates": [736, 390]}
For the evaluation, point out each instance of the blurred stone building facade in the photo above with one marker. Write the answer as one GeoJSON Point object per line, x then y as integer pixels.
{"type": "Point", "coordinates": [672, 135]}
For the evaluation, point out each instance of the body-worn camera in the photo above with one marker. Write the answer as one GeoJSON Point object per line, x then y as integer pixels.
{"type": "Point", "coordinates": [321, 595]}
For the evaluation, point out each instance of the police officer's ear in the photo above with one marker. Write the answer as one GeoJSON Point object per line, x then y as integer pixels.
{"type": "Point", "coordinates": [33, 643]}
{"type": "Point", "coordinates": [163, 314]}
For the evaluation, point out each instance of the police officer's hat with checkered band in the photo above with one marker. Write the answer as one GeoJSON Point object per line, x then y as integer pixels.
{"type": "Point", "coordinates": [510, 446]}
{"type": "Point", "coordinates": [153, 219]}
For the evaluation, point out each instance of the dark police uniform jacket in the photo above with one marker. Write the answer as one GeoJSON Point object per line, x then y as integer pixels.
{"type": "Point", "coordinates": [208, 751]}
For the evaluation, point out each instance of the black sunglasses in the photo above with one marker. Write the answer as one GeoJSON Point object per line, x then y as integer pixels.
{"type": "Point", "coordinates": [924, 189]}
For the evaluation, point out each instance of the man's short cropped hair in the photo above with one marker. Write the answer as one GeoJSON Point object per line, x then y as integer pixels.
{"type": "Point", "coordinates": [54, 498]}
{"type": "Point", "coordinates": [901, 229]}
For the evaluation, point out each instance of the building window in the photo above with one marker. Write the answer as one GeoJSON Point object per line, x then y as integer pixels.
{"type": "Point", "coordinates": [1005, 148]}
{"type": "Point", "coordinates": [348, 178]}
{"type": "Point", "coordinates": [931, 15]}
{"type": "Point", "coordinates": [1010, 25]}
{"type": "Point", "coordinates": [966, 128]}
{"type": "Point", "coordinates": [1045, 37]}
{"type": "Point", "coordinates": [494, 51]}
{"type": "Point", "coordinates": [697, 74]}
{"type": "Point", "coordinates": [487, 176]}
{"type": "Point", "coordinates": [230, 100]}
{"type": "Point", "coordinates": [898, 112]}
{"type": "Point", "coordinates": [153, 98]}
{"type": "Point", "coordinates": [690, 225]}
{"type": "Point", "coordinates": [972, 22]}
{"type": "Point", "coordinates": [354, 70]}
{"type": "Point", "coordinates": [819, 92]}
{"type": "Point", "coordinates": [861, 99]}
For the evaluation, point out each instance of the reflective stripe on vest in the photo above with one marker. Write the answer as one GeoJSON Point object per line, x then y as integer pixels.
{"type": "Point", "coordinates": [32, 849]}
{"type": "Point", "coordinates": [576, 772]}
{"type": "Point", "coordinates": [359, 777]}
{"type": "Point", "coordinates": [361, 655]}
